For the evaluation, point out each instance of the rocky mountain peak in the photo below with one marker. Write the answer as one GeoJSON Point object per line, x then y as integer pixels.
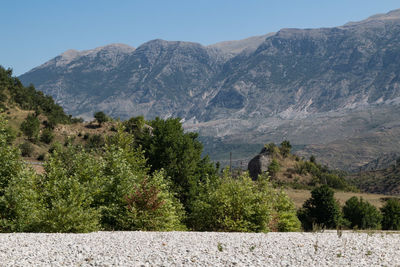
{"type": "Point", "coordinates": [246, 89]}
{"type": "Point", "coordinates": [238, 46]}
{"type": "Point", "coordinates": [393, 15]}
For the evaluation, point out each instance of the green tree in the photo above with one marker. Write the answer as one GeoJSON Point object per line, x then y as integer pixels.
{"type": "Point", "coordinates": [321, 209]}
{"type": "Point", "coordinates": [30, 127]}
{"type": "Point", "coordinates": [26, 149]}
{"type": "Point", "coordinates": [153, 207]}
{"type": "Point", "coordinates": [240, 204]}
{"type": "Point", "coordinates": [47, 135]}
{"type": "Point", "coordinates": [168, 147]}
{"type": "Point", "coordinates": [285, 148]}
{"type": "Point", "coordinates": [274, 167]}
{"type": "Point", "coordinates": [284, 213]}
{"type": "Point", "coordinates": [100, 117]}
{"type": "Point", "coordinates": [361, 214]}
{"type": "Point", "coordinates": [19, 205]}
{"type": "Point", "coordinates": [70, 187]}
{"type": "Point", "coordinates": [391, 215]}
{"type": "Point", "coordinates": [95, 141]}
{"type": "Point", "coordinates": [232, 205]}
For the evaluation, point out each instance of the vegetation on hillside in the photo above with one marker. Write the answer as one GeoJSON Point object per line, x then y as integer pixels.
{"type": "Point", "coordinates": [384, 181]}
{"type": "Point", "coordinates": [151, 175]}
{"type": "Point", "coordinates": [12, 92]}
{"type": "Point", "coordinates": [291, 171]}
{"type": "Point", "coordinates": [33, 116]}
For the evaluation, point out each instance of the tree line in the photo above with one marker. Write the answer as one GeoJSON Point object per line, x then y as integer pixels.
{"type": "Point", "coordinates": [145, 177]}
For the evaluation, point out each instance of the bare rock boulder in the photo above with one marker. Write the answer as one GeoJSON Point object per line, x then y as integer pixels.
{"type": "Point", "coordinates": [259, 164]}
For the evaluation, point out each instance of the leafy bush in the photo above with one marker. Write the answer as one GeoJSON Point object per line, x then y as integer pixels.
{"type": "Point", "coordinates": [152, 207]}
{"type": "Point", "coordinates": [234, 205]}
{"type": "Point", "coordinates": [334, 181]}
{"type": "Point", "coordinates": [95, 141]}
{"type": "Point", "coordinates": [10, 135]}
{"type": "Point", "coordinates": [124, 166]}
{"type": "Point", "coordinates": [240, 204]}
{"type": "Point", "coordinates": [26, 149]}
{"type": "Point", "coordinates": [47, 136]}
{"type": "Point", "coordinates": [285, 148]}
{"type": "Point", "coordinates": [361, 214]}
{"type": "Point", "coordinates": [391, 215]}
{"type": "Point", "coordinates": [68, 192]}
{"type": "Point", "coordinates": [30, 127]}
{"type": "Point", "coordinates": [321, 209]}
{"type": "Point", "coordinates": [101, 117]}
{"type": "Point", "coordinates": [272, 149]}
{"type": "Point", "coordinates": [322, 175]}
{"type": "Point", "coordinates": [274, 167]}
{"type": "Point", "coordinates": [18, 198]}
{"type": "Point", "coordinates": [284, 214]}
{"type": "Point", "coordinates": [20, 205]}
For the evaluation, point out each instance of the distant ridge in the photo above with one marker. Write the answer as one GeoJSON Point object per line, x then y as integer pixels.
{"type": "Point", "coordinates": [311, 86]}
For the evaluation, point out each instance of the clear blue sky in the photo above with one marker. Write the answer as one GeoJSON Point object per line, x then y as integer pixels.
{"type": "Point", "coordinates": [35, 31]}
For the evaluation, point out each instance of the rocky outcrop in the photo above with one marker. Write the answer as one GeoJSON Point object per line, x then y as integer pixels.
{"type": "Point", "coordinates": [259, 164]}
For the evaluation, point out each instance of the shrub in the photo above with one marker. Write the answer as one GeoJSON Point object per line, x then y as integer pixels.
{"type": "Point", "coordinates": [152, 207]}
{"type": "Point", "coordinates": [321, 209]}
{"type": "Point", "coordinates": [285, 148]}
{"type": "Point", "coordinates": [10, 135]}
{"type": "Point", "coordinates": [361, 214]}
{"type": "Point", "coordinates": [101, 117]}
{"type": "Point", "coordinates": [274, 167]}
{"type": "Point", "coordinates": [124, 166]}
{"type": "Point", "coordinates": [30, 127]}
{"type": "Point", "coordinates": [272, 149]}
{"type": "Point", "coordinates": [69, 189]}
{"type": "Point", "coordinates": [47, 136]}
{"type": "Point", "coordinates": [20, 205]}
{"type": "Point", "coordinates": [234, 205]}
{"type": "Point", "coordinates": [334, 181]}
{"type": "Point", "coordinates": [26, 149]}
{"type": "Point", "coordinates": [95, 141]}
{"type": "Point", "coordinates": [284, 214]}
{"type": "Point", "coordinates": [240, 204]}
{"type": "Point", "coordinates": [69, 140]}
{"type": "Point", "coordinates": [18, 200]}
{"type": "Point", "coordinates": [391, 215]}
{"type": "Point", "coordinates": [77, 120]}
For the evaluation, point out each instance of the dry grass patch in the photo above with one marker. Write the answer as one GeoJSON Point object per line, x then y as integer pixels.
{"type": "Point", "coordinates": [300, 196]}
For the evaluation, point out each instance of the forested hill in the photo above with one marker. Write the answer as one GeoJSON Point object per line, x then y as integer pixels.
{"type": "Point", "coordinates": [13, 94]}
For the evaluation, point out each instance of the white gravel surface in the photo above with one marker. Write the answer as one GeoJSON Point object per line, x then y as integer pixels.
{"type": "Point", "coordinates": [200, 249]}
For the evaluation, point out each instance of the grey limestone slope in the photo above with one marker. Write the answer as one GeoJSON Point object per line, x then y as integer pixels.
{"type": "Point", "coordinates": [261, 89]}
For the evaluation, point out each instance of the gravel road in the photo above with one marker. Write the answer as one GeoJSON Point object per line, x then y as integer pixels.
{"type": "Point", "coordinates": [200, 249]}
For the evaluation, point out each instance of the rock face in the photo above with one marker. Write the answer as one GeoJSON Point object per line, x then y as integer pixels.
{"type": "Point", "coordinates": [310, 86]}
{"type": "Point", "coordinates": [383, 162]}
{"type": "Point", "coordinates": [259, 164]}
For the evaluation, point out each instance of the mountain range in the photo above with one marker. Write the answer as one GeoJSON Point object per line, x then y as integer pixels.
{"type": "Point", "coordinates": [333, 92]}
